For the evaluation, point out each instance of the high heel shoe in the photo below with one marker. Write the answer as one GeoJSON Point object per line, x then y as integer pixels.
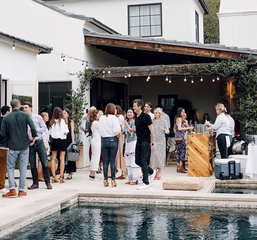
{"type": "Point", "coordinates": [114, 184]}
{"type": "Point", "coordinates": [182, 170]}
{"type": "Point", "coordinates": [133, 183]}
{"type": "Point", "coordinates": [61, 179]}
{"type": "Point", "coordinates": [159, 175]}
{"type": "Point", "coordinates": [54, 180]}
{"type": "Point", "coordinates": [178, 171]}
{"type": "Point", "coordinates": [155, 177]}
{"type": "Point", "coordinates": [106, 184]}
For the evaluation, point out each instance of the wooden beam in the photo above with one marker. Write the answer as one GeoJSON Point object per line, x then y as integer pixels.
{"type": "Point", "coordinates": [167, 48]}
{"type": "Point", "coordinates": [157, 70]}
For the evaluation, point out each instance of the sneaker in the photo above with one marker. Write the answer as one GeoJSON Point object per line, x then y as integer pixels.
{"type": "Point", "coordinates": [94, 178]}
{"type": "Point", "coordinates": [142, 187]}
{"type": "Point", "coordinates": [151, 177]}
{"type": "Point", "coordinates": [3, 190]}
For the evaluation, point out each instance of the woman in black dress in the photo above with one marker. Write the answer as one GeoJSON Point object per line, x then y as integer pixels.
{"type": "Point", "coordinates": [71, 167]}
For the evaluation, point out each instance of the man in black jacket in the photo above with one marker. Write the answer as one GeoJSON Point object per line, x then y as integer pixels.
{"type": "Point", "coordinates": [3, 152]}
{"type": "Point", "coordinates": [15, 128]}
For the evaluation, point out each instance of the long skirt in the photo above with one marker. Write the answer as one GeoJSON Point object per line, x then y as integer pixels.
{"type": "Point", "coordinates": [134, 171]}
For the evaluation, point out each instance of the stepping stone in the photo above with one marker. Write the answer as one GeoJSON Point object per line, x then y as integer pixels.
{"type": "Point", "coordinates": [186, 184]}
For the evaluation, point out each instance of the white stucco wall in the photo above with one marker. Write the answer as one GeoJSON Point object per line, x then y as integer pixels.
{"type": "Point", "coordinates": [178, 16]}
{"type": "Point", "coordinates": [237, 21]}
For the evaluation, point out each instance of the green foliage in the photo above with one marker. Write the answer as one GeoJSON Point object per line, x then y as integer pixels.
{"type": "Point", "coordinates": [211, 22]}
{"type": "Point", "coordinates": [78, 101]}
{"type": "Point", "coordinates": [247, 86]}
{"type": "Point", "coordinates": [21, 98]}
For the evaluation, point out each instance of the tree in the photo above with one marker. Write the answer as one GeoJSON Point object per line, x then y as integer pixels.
{"type": "Point", "coordinates": [211, 22]}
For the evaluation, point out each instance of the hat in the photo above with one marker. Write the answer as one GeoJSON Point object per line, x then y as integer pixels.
{"type": "Point", "coordinates": [227, 111]}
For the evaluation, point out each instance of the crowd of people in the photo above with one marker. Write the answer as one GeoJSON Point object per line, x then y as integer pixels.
{"type": "Point", "coordinates": [133, 142]}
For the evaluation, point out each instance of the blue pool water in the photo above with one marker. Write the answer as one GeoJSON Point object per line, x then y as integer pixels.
{"type": "Point", "coordinates": [116, 221]}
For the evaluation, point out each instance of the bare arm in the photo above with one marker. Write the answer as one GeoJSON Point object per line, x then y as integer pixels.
{"type": "Point", "coordinates": [72, 130]}
{"type": "Point", "coordinates": [179, 122]}
{"type": "Point", "coordinates": [152, 137]}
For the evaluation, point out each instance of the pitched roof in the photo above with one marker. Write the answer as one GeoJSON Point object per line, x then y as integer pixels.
{"type": "Point", "coordinates": [204, 7]}
{"type": "Point", "coordinates": [77, 16]}
{"type": "Point", "coordinates": [39, 47]}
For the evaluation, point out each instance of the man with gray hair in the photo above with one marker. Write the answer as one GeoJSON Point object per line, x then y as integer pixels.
{"type": "Point", "coordinates": [15, 127]}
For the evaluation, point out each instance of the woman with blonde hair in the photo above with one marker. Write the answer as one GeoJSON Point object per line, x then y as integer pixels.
{"type": "Point", "coordinates": [158, 158]}
{"type": "Point", "coordinates": [58, 130]}
{"type": "Point", "coordinates": [221, 126]}
{"type": "Point", "coordinates": [120, 159]}
{"type": "Point", "coordinates": [109, 128]}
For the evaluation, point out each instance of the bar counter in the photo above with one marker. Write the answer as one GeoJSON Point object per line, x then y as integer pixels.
{"type": "Point", "coordinates": [201, 152]}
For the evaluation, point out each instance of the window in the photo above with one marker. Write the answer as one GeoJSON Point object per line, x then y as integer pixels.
{"type": "Point", "coordinates": [196, 27]}
{"type": "Point", "coordinates": [145, 20]}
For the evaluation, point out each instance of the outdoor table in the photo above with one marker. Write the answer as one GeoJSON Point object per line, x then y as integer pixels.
{"type": "Point", "coordinates": [251, 164]}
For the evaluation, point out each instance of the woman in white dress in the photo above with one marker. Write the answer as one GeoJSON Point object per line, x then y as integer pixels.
{"type": "Point", "coordinates": [95, 143]}
{"type": "Point", "coordinates": [134, 171]}
{"type": "Point", "coordinates": [158, 158]}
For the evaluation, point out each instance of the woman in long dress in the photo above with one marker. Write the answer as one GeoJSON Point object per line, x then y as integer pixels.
{"type": "Point", "coordinates": [158, 158]}
{"type": "Point", "coordinates": [95, 143]}
{"type": "Point", "coordinates": [134, 171]}
{"type": "Point", "coordinates": [71, 167]}
{"type": "Point", "coordinates": [180, 133]}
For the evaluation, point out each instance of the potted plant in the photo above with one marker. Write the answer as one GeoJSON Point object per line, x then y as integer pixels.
{"type": "Point", "coordinates": [77, 103]}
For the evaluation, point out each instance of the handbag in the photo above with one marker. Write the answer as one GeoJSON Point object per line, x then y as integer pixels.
{"type": "Point", "coordinates": [178, 140]}
{"type": "Point", "coordinates": [73, 156]}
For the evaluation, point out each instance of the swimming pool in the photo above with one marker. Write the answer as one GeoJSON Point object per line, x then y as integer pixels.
{"type": "Point", "coordinates": [126, 221]}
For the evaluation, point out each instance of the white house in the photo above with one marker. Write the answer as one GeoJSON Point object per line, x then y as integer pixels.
{"type": "Point", "coordinates": [180, 20]}
{"type": "Point", "coordinates": [237, 22]}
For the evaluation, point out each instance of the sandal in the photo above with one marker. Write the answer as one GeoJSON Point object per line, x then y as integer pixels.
{"type": "Point", "coordinates": [127, 182]}
{"type": "Point", "coordinates": [69, 177]}
{"type": "Point", "coordinates": [133, 183]}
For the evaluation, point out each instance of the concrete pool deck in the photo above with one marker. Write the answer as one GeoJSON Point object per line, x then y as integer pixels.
{"type": "Point", "coordinates": [20, 211]}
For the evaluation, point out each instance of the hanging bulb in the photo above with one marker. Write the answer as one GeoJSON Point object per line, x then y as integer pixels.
{"type": "Point", "coordinates": [63, 59]}
{"type": "Point", "coordinates": [82, 63]}
{"type": "Point", "coordinates": [167, 78]}
{"type": "Point", "coordinates": [103, 71]}
{"type": "Point", "coordinates": [129, 75]}
{"type": "Point", "coordinates": [213, 79]}
{"type": "Point", "coordinates": [218, 78]}
{"type": "Point", "coordinates": [109, 71]}
{"type": "Point", "coordinates": [185, 78]}
{"type": "Point", "coordinates": [170, 81]}
{"type": "Point", "coordinates": [201, 78]}
{"type": "Point", "coordinates": [87, 65]}
{"type": "Point", "coordinates": [148, 76]}
{"type": "Point", "coordinates": [192, 79]}
{"type": "Point", "coordinates": [13, 46]}
{"type": "Point", "coordinates": [147, 79]}
{"type": "Point", "coordinates": [125, 76]}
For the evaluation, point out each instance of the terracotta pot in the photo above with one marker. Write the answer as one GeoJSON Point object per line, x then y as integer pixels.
{"type": "Point", "coordinates": [79, 164]}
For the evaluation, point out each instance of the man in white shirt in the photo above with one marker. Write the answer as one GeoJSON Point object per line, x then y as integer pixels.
{"type": "Point", "coordinates": [148, 107]}
{"type": "Point", "coordinates": [232, 130]}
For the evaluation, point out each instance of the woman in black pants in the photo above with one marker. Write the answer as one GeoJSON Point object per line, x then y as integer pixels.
{"type": "Point", "coordinates": [221, 126]}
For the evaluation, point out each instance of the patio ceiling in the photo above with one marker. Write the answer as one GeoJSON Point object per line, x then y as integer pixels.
{"type": "Point", "coordinates": [140, 51]}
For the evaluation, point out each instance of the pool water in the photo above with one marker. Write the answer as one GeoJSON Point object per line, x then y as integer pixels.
{"type": "Point", "coordinates": [235, 190]}
{"type": "Point", "coordinates": [116, 221]}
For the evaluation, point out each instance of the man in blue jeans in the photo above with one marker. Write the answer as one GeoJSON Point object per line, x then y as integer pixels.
{"type": "Point", "coordinates": [15, 127]}
{"type": "Point", "coordinates": [145, 142]}
{"type": "Point", "coordinates": [38, 147]}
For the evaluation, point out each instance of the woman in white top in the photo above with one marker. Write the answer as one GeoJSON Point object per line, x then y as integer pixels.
{"type": "Point", "coordinates": [58, 130]}
{"type": "Point", "coordinates": [109, 128]}
{"type": "Point", "coordinates": [221, 126]}
{"type": "Point", "coordinates": [158, 158]}
{"type": "Point", "coordinates": [95, 143]}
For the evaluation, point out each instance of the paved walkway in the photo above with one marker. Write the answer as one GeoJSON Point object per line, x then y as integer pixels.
{"type": "Point", "coordinates": [13, 211]}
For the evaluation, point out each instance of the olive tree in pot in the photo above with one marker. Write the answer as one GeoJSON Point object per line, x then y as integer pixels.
{"type": "Point", "coordinates": [77, 103]}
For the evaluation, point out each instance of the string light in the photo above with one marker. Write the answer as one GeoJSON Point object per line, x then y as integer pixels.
{"type": "Point", "coordinates": [167, 78]}
{"type": "Point", "coordinates": [185, 78]}
{"type": "Point", "coordinates": [218, 78]}
{"type": "Point", "coordinates": [213, 79]}
{"type": "Point", "coordinates": [87, 65]}
{"type": "Point", "coordinates": [103, 71]}
{"type": "Point", "coordinates": [125, 76]}
{"type": "Point", "coordinates": [148, 76]}
{"type": "Point", "coordinates": [13, 45]}
{"type": "Point", "coordinates": [201, 79]}
{"type": "Point", "coordinates": [129, 75]}
{"type": "Point", "coordinates": [109, 71]}
{"type": "Point", "coordinates": [192, 79]}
